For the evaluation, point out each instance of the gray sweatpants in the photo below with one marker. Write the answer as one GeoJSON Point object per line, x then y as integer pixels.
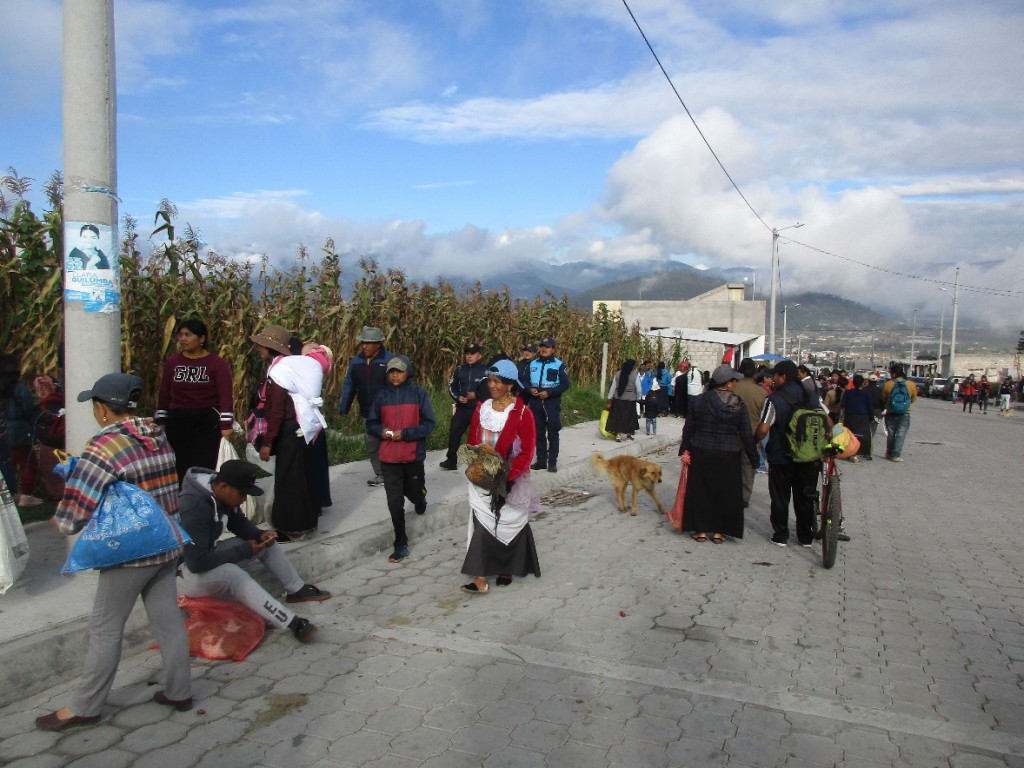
{"type": "Point", "coordinates": [231, 582]}
{"type": "Point", "coordinates": [116, 593]}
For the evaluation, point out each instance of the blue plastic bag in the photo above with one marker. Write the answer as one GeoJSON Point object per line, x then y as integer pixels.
{"type": "Point", "coordinates": [127, 525]}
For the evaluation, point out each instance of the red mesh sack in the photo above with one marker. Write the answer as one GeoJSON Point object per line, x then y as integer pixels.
{"type": "Point", "coordinates": [675, 514]}
{"type": "Point", "coordinates": [220, 629]}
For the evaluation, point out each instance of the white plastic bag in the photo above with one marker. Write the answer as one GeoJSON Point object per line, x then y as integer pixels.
{"type": "Point", "coordinates": [13, 543]}
{"type": "Point", "coordinates": [227, 453]}
{"type": "Point", "coordinates": [265, 502]}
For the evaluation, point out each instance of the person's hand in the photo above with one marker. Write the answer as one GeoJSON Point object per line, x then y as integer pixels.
{"type": "Point", "coordinates": [462, 398]}
{"type": "Point", "coordinates": [543, 395]}
{"type": "Point", "coordinates": [470, 396]}
{"type": "Point", "coordinates": [266, 539]}
{"type": "Point", "coordinates": [227, 433]}
{"type": "Point", "coordinates": [534, 391]}
{"type": "Point", "coordinates": [265, 453]}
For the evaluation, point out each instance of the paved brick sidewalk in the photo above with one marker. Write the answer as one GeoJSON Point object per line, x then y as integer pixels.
{"type": "Point", "coordinates": [638, 646]}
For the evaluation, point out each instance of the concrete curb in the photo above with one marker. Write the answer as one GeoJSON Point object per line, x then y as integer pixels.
{"type": "Point", "coordinates": [36, 662]}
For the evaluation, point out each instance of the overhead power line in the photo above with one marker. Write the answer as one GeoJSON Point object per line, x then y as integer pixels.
{"type": "Point", "coordinates": [970, 288]}
{"type": "Point", "coordinates": [692, 120]}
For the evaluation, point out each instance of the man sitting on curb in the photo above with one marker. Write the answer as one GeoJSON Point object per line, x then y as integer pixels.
{"type": "Point", "coordinates": [208, 500]}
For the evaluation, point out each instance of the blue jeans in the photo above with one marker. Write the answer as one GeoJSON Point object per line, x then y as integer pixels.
{"type": "Point", "coordinates": [898, 424]}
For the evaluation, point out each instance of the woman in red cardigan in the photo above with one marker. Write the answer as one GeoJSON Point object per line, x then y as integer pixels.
{"type": "Point", "coordinates": [500, 541]}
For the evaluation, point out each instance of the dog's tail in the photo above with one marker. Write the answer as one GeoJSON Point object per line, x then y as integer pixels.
{"type": "Point", "coordinates": [597, 461]}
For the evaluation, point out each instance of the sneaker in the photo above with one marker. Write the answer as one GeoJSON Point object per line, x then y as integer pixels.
{"type": "Point", "coordinates": [552, 467]}
{"type": "Point", "coordinates": [778, 543]}
{"type": "Point", "coordinates": [303, 629]}
{"type": "Point", "coordinates": [448, 465]}
{"type": "Point", "coordinates": [399, 555]}
{"type": "Point", "coordinates": [377, 482]}
{"type": "Point", "coordinates": [539, 465]}
{"type": "Point", "coordinates": [308, 594]}
{"type": "Point", "coordinates": [898, 458]}
{"type": "Point", "coordinates": [843, 536]}
{"type": "Point", "coordinates": [807, 545]}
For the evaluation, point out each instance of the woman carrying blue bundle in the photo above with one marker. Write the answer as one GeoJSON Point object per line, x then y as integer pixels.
{"type": "Point", "coordinates": [136, 451]}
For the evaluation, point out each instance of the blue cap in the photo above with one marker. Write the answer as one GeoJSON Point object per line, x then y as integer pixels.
{"type": "Point", "coordinates": [506, 369]}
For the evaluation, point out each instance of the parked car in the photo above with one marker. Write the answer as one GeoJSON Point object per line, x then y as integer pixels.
{"type": "Point", "coordinates": [938, 388]}
{"type": "Point", "coordinates": [922, 385]}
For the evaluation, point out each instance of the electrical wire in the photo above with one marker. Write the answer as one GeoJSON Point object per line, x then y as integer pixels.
{"type": "Point", "coordinates": [692, 120]}
{"type": "Point", "coordinates": [1005, 293]}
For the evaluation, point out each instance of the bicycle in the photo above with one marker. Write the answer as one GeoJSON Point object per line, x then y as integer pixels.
{"type": "Point", "coordinates": [830, 508]}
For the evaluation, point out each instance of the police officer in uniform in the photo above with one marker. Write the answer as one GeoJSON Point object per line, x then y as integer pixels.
{"type": "Point", "coordinates": [463, 390]}
{"type": "Point", "coordinates": [548, 380]}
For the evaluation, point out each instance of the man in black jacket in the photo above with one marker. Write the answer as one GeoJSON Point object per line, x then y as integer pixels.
{"type": "Point", "coordinates": [209, 500]}
{"type": "Point", "coordinates": [365, 377]}
{"type": "Point", "coordinates": [462, 387]}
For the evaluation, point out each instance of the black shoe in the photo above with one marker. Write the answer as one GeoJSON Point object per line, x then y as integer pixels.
{"type": "Point", "coordinates": [449, 465]}
{"type": "Point", "coordinates": [182, 705]}
{"type": "Point", "coordinates": [303, 629]}
{"type": "Point", "coordinates": [421, 508]}
{"type": "Point", "coordinates": [308, 594]}
{"type": "Point", "coordinates": [552, 466]}
{"type": "Point", "coordinates": [377, 482]}
{"type": "Point", "coordinates": [539, 465]}
{"type": "Point", "coordinates": [843, 536]}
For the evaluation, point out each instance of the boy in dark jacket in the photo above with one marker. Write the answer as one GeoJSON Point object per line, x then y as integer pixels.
{"type": "Point", "coordinates": [401, 417]}
{"type": "Point", "coordinates": [209, 500]}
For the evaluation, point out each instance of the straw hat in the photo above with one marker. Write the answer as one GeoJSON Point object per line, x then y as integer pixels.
{"type": "Point", "coordinates": [273, 337]}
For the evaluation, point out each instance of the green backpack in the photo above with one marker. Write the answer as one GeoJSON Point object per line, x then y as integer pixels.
{"type": "Point", "coordinates": [807, 434]}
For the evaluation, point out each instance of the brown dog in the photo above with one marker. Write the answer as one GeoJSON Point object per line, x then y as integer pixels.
{"type": "Point", "coordinates": [626, 470]}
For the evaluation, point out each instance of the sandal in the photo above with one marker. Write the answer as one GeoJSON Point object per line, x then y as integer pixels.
{"type": "Point", "coordinates": [699, 536]}
{"type": "Point", "coordinates": [717, 538]}
{"type": "Point", "coordinates": [503, 581]}
{"type": "Point", "coordinates": [473, 589]}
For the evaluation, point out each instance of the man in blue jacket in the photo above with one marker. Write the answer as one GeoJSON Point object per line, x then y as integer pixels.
{"type": "Point", "coordinates": [548, 380]}
{"type": "Point", "coordinates": [364, 378]}
{"type": "Point", "coordinates": [209, 501]}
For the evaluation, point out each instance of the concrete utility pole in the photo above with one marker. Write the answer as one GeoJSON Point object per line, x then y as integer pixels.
{"type": "Point", "coordinates": [952, 337]}
{"type": "Point", "coordinates": [942, 321]}
{"type": "Point", "coordinates": [92, 328]}
{"type": "Point", "coordinates": [775, 284]}
{"type": "Point", "coordinates": [913, 339]}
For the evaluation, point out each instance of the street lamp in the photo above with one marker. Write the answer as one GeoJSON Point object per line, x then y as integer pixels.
{"type": "Point", "coordinates": [775, 283]}
{"type": "Point", "coordinates": [785, 313]}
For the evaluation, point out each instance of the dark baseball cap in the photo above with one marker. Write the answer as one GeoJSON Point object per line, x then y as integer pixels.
{"type": "Point", "coordinates": [120, 389]}
{"type": "Point", "coordinates": [471, 349]}
{"type": "Point", "coordinates": [529, 347]}
{"type": "Point", "coordinates": [547, 341]}
{"type": "Point", "coordinates": [240, 475]}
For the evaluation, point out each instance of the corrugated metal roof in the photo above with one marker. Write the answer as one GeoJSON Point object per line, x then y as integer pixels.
{"type": "Point", "coordinates": [702, 334]}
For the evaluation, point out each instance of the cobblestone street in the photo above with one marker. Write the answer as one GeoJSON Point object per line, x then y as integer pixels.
{"type": "Point", "coordinates": [638, 646]}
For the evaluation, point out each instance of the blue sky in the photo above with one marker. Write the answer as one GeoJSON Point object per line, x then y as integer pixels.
{"type": "Point", "coordinates": [452, 137]}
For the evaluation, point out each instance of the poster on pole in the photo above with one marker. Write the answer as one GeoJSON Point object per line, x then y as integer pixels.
{"type": "Point", "coordinates": [90, 267]}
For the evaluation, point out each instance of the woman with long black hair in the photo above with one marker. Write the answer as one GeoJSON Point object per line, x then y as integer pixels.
{"type": "Point", "coordinates": [194, 402]}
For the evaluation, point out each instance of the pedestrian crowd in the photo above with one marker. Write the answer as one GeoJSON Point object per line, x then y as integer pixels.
{"type": "Point", "coordinates": [737, 423]}
{"type": "Point", "coordinates": [182, 463]}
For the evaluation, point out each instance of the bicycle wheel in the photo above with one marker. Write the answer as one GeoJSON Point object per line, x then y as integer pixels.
{"type": "Point", "coordinates": [831, 519]}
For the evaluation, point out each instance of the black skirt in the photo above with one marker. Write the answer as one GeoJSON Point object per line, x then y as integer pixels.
{"type": "Point", "coordinates": [296, 509]}
{"type": "Point", "coordinates": [622, 418]}
{"type": "Point", "coordinates": [194, 434]}
{"type": "Point", "coordinates": [714, 493]}
{"type": "Point", "coordinates": [489, 557]}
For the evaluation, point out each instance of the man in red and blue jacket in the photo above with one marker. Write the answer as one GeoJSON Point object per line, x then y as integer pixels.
{"type": "Point", "coordinates": [401, 417]}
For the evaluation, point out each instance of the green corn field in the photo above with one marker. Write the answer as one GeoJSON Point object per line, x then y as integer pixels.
{"type": "Point", "coordinates": [178, 278]}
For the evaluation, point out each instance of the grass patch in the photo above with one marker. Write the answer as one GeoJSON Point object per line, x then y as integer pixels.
{"type": "Point", "coordinates": [345, 440]}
